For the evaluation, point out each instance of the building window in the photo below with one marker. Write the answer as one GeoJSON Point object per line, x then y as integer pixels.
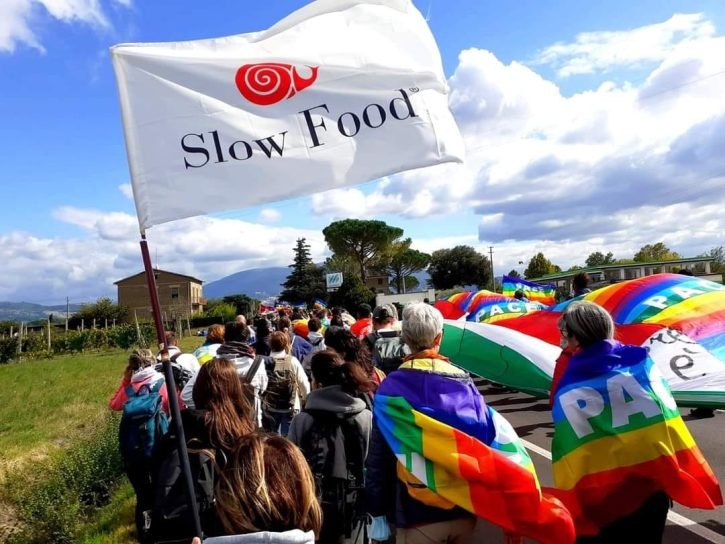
{"type": "Point", "coordinates": [380, 281]}
{"type": "Point", "coordinates": [174, 292]}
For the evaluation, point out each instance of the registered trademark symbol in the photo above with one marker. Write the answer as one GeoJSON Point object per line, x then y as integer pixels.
{"type": "Point", "coordinates": [414, 89]}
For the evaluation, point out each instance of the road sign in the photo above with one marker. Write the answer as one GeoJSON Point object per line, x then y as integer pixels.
{"type": "Point", "coordinates": [334, 281]}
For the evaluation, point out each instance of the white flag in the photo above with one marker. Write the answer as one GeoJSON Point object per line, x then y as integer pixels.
{"type": "Point", "coordinates": [338, 93]}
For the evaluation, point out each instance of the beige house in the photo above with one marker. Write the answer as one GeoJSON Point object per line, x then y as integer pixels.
{"type": "Point", "coordinates": [378, 283]}
{"type": "Point", "coordinates": [179, 295]}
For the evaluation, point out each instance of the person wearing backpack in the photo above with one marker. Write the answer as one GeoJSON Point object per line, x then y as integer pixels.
{"type": "Point", "coordinates": [236, 349]}
{"type": "Point", "coordinates": [299, 347]}
{"type": "Point", "coordinates": [354, 351]}
{"type": "Point", "coordinates": [385, 342]}
{"type": "Point", "coordinates": [224, 414]}
{"type": "Point", "coordinates": [144, 401]}
{"type": "Point", "coordinates": [287, 384]}
{"type": "Point", "coordinates": [315, 338]}
{"type": "Point", "coordinates": [183, 365]}
{"type": "Point", "coordinates": [333, 432]}
{"type": "Point", "coordinates": [266, 494]}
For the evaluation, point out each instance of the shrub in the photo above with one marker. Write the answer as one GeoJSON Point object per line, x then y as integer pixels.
{"type": "Point", "coordinates": [74, 341]}
{"type": "Point", "coordinates": [54, 496]}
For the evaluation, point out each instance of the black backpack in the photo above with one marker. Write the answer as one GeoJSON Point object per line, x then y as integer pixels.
{"type": "Point", "coordinates": [335, 450]}
{"type": "Point", "coordinates": [281, 391]}
{"type": "Point", "coordinates": [181, 375]}
{"type": "Point", "coordinates": [171, 520]}
{"type": "Point", "coordinates": [388, 350]}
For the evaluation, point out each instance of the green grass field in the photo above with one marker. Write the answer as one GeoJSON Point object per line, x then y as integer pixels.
{"type": "Point", "coordinates": [47, 404]}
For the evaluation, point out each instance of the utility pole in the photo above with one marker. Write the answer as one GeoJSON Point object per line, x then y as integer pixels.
{"type": "Point", "coordinates": [493, 278]}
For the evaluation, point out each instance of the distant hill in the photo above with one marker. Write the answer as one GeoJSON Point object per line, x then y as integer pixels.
{"type": "Point", "coordinates": [258, 283]}
{"type": "Point", "coordinates": [27, 311]}
{"type": "Point", "coordinates": [261, 283]}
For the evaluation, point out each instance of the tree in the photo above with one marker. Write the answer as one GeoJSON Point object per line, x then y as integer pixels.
{"type": "Point", "coordinates": [244, 305]}
{"type": "Point", "coordinates": [598, 259]}
{"type": "Point", "coordinates": [404, 261]}
{"type": "Point", "coordinates": [513, 273]}
{"type": "Point", "coordinates": [306, 281]}
{"type": "Point", "coordinates": [218, 309]}
{"type": "Point", "coordinates": [458, 266]}
{"type": "Point", "coordinates": [657, 252]}
{"type": "Point", "coordinates": [104, 309]}
{"type": "Point", "coordinates": [352, 293]}
{"type": "Point", "coordinates": [717, 254]}
{"type": "Point", "coordinates": [364, 242]}
{"type": "Point", "coordinates": [540, 266]}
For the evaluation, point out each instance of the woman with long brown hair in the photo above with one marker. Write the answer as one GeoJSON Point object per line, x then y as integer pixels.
{"type": "Point", "coordinates": [224, 414]}
{"type": "Point", "coordinates": [266, 493]}
{"type": "Point", "coordinates": [354, 351]}
{"type": "Point", "coordinates": [222, 404]}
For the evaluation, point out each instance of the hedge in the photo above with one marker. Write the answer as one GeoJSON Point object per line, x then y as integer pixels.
{"type": "Point", "coordinates": [74, 341]}
{"type": "Point", "coordinates": [55, 496]}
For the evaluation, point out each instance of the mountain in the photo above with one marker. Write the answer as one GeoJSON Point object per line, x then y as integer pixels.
{"type": "Point", "coordinates": [27, 311]}
{"type": "Point", "coordinates": [258, 283]}
{"type": "Point", "coordinates": [261, 283]}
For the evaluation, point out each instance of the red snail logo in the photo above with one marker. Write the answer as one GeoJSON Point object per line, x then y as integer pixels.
{"type": "Point", "coordinates": [267, 83]}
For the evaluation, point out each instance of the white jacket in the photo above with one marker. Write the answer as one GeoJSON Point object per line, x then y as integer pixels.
{"type": "Point", "coordinates": [242, 364]}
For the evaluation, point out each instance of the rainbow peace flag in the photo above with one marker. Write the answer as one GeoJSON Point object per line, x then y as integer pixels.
{"type": "Point", "coordinates": [488, 307]}
{"type": "Point", "coordinates": [463, 452]}
{"type": "Point", "coordinates": [693, 306]}
{"type": "Point", "coordinates": [535, 292]}
{"type": "Point", "coordinates": [619, 438]}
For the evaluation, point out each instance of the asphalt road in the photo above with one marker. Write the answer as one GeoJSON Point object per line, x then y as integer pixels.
{"type": "Point", "coordinates": [532, 419]}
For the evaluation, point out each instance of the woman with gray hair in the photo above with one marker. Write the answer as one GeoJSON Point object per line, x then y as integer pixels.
{"type": "Point", "coordinates": [587, 332]}
{"type": "Point", "coordinates": [392, 497]}
{"type": "Point", "coordinates": [422, 327]}
{"type": "Point", "coordinates": [582, 324]}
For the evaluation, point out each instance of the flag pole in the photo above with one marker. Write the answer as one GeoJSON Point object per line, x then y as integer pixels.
{"type": "Point", "coordinates": [171, 386]}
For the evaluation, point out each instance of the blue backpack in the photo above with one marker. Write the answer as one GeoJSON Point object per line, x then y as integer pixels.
{"type": "Point", "coordinates": [143, 423]}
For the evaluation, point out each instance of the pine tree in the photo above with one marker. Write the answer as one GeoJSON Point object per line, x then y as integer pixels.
{"type": "Point", "coordinates": [306, 281]}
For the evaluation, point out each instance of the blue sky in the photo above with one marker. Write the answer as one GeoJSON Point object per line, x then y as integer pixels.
{"type": "Point", "coordinates": [594, 125]}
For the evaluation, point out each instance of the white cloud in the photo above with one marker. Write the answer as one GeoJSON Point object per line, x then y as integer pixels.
{"type": "Point", "coordinates": [84, 268]}
{"type": "Point", "coordinates": [127, 190]}
{"type": "Point", "coordinates": [17, 18]}
{"type": "Point", "coordinates": [269, 215]}
{"type": "Point", "coordinates": [601, 51]}
{"type": "Point", "coordinates": [611, 168]}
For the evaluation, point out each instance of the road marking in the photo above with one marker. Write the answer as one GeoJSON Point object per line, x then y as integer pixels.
{"type": "Point", "coordinates": [536, 449]}
{"type": "Point", "coordinates": [674, 517]}
{"type": "Point", "coordinates": [695, 527]}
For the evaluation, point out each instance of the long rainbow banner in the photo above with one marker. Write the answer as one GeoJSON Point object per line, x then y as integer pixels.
{"type": "Point", "coordinates": [535, 292]}
{"type": "Point", "coordinates": [693, 306]}
{"type": "Point", "coordinates": [464, 453]}
{"type": "Point", "coordinates": [619, 438]}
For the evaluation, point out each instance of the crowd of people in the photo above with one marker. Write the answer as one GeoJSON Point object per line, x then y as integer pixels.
{"type": "Point", "coordinates": [278, 418]}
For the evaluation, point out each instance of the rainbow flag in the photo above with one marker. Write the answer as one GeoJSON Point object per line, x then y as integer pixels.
{"type": "Point", "coordinates": [488, 307]}
{"type": "Point", "coordinates": [463, 452]}
{"type": "Point", "coordinates": [535, 292]}
{"type": "Point", "coordinates": [619, 437]}
{"type": "Point", "coordinates": [693, 306]}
